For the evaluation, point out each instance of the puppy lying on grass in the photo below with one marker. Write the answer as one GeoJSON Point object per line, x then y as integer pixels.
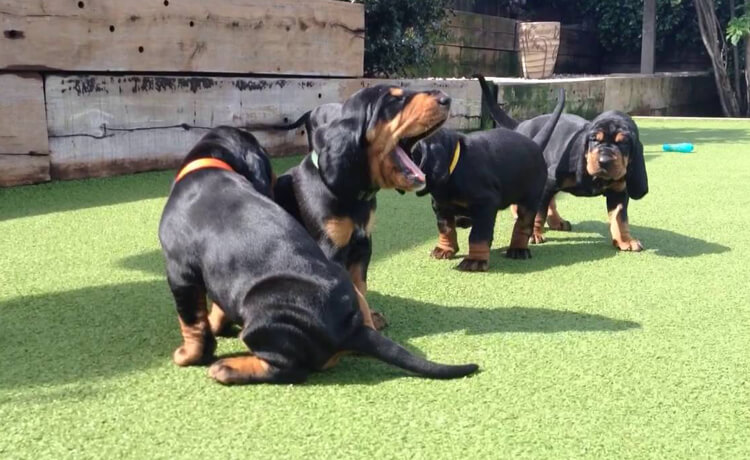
{"type": "Point", "coordinates": [224, 237]}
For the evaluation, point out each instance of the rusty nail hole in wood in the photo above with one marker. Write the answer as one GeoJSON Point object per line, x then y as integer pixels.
{"type": "Point", "coordinates": [288, 28]}
{"type": "Point", "coordinates": [320, 96]}
{"type": "Point", "coordinates": [140, 49]}
{"type": "Point", "coordinates": [111, 28]}
{"type": "Point", "coordinates": [166, 2]}
{"type": "Point", "coordinates": [286, 120]}
{"type": "Point", "coordinates": [81, 5]}
{"type": "Point", "coordinates": [13, 34]}
{"type": "Point", "coordinates": [192, 24]}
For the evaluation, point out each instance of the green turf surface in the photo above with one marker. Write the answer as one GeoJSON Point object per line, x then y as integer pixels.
{"type": "Point", "coordinates": [585, 352]}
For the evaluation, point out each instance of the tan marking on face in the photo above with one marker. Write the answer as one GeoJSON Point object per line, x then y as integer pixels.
{"type": "Point", "coordinates": [339, 230]}
{"type": "Point", "coordinates": [422, 113]}
{"type": "Point", "coordinates": [592, 161]}
{"type": "Point", "coordinates": [599, 136]}
{"type": "Point", "coordinates": [193, 336]}
{"type": "Point", "coordinates": [617, 186]}
{"type": "Point", "coordinates": [397, 92]}
{"type": "Point", "coordinates": [620, 137]}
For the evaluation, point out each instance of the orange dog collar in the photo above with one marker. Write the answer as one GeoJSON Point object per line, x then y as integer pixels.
{"type": "Point", "coordinates": [202, 163]}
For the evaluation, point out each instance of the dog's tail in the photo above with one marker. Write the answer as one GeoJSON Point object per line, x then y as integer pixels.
{"type": "Point", "coordinates": [373, 343]}
{"type": "Point", "coordinates": [496, 112]}
{"type": "Point", "coordinates": [543, 136]}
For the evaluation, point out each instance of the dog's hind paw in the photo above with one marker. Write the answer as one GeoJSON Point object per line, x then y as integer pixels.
{"type": "Point", "coordinates": [537, 238]}
{"type": "Point", "coordinates": [378, 320]}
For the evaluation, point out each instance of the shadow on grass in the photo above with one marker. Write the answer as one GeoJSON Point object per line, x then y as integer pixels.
{"type": "Point", "coordinates": [62, 196]}
{"type": "Point", "coordinates": [664, 243]}
{"type": "Point", "coordinates": [412, 319]}
{"type": "Point", "coordinates": [86, 334]}
{"type": "Point", "coordinates": [105, 331]}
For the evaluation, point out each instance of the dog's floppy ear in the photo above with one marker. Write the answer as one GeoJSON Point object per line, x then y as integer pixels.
{"type": "Point", "coordinates": [341, 159]}
{"type": "Point", "coordinates": [636, 178]}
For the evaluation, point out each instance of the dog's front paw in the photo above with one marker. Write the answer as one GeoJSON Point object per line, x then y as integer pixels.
{"type": "Point", "coordinates": [629, 245]}
{"type": "Point", "coordinates": [443, 253]}
{"type": "Point", "coordinates": [474, 265]}
{"type": "Point", "coordinates": [518, 253]}
{"type": "Point", "coordinates": [378, 320]}
{"type": "Point", "coordinates": [537, 238]}
{"type": "Point", "coordinates": [191, 356]}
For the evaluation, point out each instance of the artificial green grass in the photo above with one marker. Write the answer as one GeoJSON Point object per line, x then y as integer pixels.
{"type": "Point", "coordinates": [585, 352]}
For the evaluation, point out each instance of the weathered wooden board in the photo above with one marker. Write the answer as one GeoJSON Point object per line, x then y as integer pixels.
{"type": "Point", "coordinates": [23, 169]}
{"type": "Point", "coordinates": [481, 31]}
{"type": "Point", "coordinates": [314, 37]}
{"type": "Point", "coordinates": [686, 93]}
{"type": "Point", "coordinates": [106, 125]}
{"type": "Point", "coordinates": [23, 124]}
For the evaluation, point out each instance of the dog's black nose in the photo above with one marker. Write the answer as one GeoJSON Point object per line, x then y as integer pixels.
{"type": "Point", "coordinates": [444, 100]}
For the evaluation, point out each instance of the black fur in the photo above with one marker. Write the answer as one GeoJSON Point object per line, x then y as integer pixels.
{"type": "Point", "coordinates": [222, 236]}
{"type": "Point", "coordinates": [496, 168]}
{"type": "Point", "coordinates": [566, 153]}
{"type": "Point", "coordinates": [341, 185]}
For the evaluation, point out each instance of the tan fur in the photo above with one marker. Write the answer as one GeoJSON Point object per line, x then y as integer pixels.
{"type": "Point", "coordinates": [239, 369]}
{"type": "Point", "coordinates": [370, 223]}
{"type": "Point", "coordinates": [339, 230]}
{"type": "Point", "coordinates": [193, 336]}
{"type": "Point", "coordinates": [620, 231]}
{"type": "Point", "coordinates": [479, 251]}
{"type": "Point", "coordinates": [356, 272]}
{"type": "Point", "coordinates": [448, 241]}
{"type": "Point", "coordinates": [523, 228]}
{"type": "Point", "coordinates": [217, 319]}
{"type": "Point", "coordinates": [420, 115]}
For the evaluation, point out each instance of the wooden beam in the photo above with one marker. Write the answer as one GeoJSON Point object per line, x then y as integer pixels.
{"type": "Point", "coordinates": [314, 37]}
{"type": "Point", "coordinates": [23, 123]}
{"type": "Point", "coordinates": [648, 42]}
{"type": "Point", "coordinates": [107, 125]}
{"type": "Point", "coordinates": [23, 169]}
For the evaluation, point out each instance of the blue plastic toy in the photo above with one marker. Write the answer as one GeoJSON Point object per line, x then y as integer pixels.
{"type": "Point", "coordinates": [684, 147]}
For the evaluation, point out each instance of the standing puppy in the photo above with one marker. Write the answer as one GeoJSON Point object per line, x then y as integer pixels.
{"type": "Point", "coordinates": [332, 191]}
{"type": "Point", "coordinates": [224, 237]}
{"type": "Point", "coordinates": [472, 176]}
{"type": "Point", "coordinates": [603, 156]}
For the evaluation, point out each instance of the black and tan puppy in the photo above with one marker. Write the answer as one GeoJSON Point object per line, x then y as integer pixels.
{"type": "Point", "coordinates": [224, 237]}
{"type": "Point", "coordinates": [587, 158]}
{"type": "Point", "coordinates": [472, 176]}
{"type": "Point", "coordinates": [332, 191]}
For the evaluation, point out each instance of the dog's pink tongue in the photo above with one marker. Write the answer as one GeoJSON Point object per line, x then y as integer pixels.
{"type": "Point", "coordinates": [408, 164]}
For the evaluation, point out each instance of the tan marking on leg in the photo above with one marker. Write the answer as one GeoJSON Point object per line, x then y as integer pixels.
{"type": "Point", "coordinates": [240, 369]}
{"type": "Point", "coordinates": [620, 231]}
{"type": "Point", "coordinates": [356, 273]}
{"type": "Point", "coordinates": [537, 235]}
{"type": "Point", "coordinates": [364, 308]}
{"type": "Point", "coordinates": [479, 251]}
{"type": "Point", "coordinates": [555, 220]}
{"type": "Point", "coordinates": [339, 230]}
{"type": "Point", "coordinates": [370, 223]}
{"type": "Point", "coordinates": [335, 359]}
{"type": "Point", "coordinates": [514, 211]}
{"type": "Point", "coordinates": [193, 337]}
{"type": "Point", "coordinates": [523, 228]}
{"type": "Point", "coordinates": [217, 319]}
